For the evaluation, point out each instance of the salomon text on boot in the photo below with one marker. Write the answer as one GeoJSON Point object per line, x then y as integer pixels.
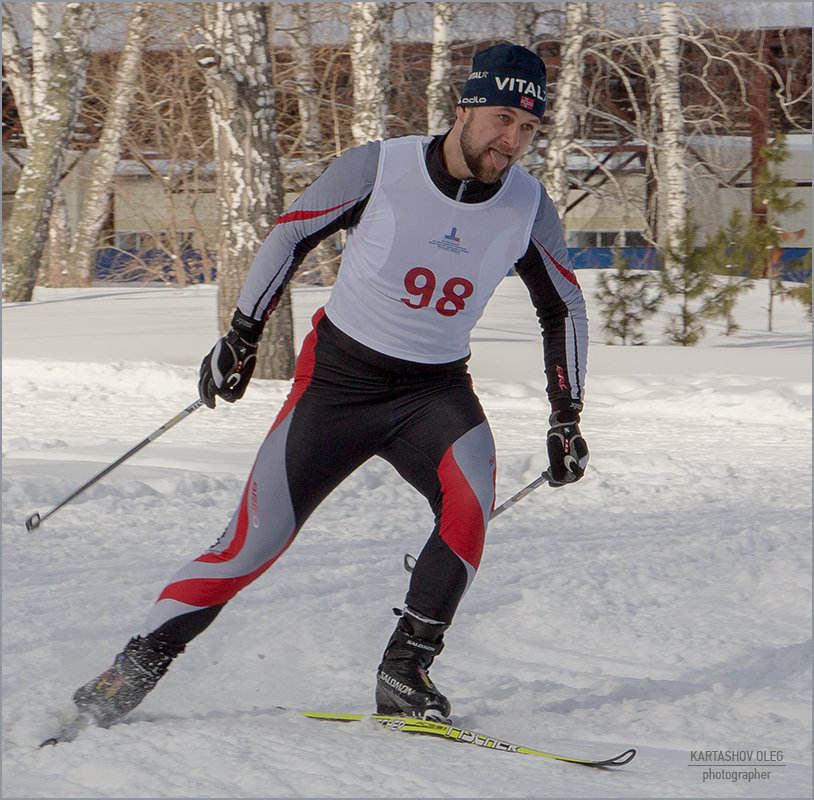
{"type": "Point", "coordinates": [135, 671]}
{"type": "Point", "coordinates": [402, 683]}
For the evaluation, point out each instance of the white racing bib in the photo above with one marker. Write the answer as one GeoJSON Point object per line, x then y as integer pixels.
{"type": "Point", "coordinates": [419, 268]}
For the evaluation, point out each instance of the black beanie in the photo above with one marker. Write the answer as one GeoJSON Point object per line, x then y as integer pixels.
{"type": "Point", "coordinates": [506, 75]}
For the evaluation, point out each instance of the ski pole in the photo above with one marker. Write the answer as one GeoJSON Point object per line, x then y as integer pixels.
{"type": "Point", "coordinates": [36, 519]}
{"type": "Point", "coordinates": [544, 478]}
{"type": "Point", "coordinates": [409, 560]}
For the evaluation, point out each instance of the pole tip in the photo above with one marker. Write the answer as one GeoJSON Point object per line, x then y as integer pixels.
{"type": "Point", "coordinates": [33, 522]}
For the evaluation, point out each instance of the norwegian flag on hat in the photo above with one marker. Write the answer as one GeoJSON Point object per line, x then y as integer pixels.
{"type": "Point", "coordinates": [527, 102]}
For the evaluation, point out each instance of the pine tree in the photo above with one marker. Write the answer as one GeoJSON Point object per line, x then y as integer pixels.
{"type": "Point", "coordinates": [627, 298]}
{"type": "Point", "coordinates": [701, 293]}
{"type": "Point", "coordinates": [774, 191]}
{"type": "Point", "coordinates": [734, 252]}
{"type": "Point", "coordinates": [803, 293]}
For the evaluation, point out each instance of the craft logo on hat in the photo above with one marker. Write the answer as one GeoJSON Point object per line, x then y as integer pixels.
{"type": "Point", "coordinates": [507, 75]}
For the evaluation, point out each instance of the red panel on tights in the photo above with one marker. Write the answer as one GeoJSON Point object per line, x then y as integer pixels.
{"type": "Point", "coordinates": [303, 370]}
{"type": "Point", "coordinates": [461, 516]}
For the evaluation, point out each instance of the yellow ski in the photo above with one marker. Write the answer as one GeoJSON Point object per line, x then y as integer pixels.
{"type": "Point", "coordinates": [447, 730]}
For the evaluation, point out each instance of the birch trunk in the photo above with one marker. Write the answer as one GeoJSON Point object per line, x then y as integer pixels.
{"type": "Point", "coordinates": [27, 229]}
{"type": "Point", "coordinates": [568, 106]}
{"type": "Point", "coordinates": [55, 254]}
{"type": "Point", "coordinates": [674, 193]}
{"type": "Point", "coordinates": [16, 71]}
{"type": "Point", "coordinates": [370, 42]}
{"type": "Point", "coordinates": [237, 68]}
{"type": "Point", "coordinates": [82, 256]}
{"type": "Point", "coordinates": [439, 107]}
{"type": "Point", "coordinates": [310, 130]}
{"type": "Point", "coordinates": [28, 85]}
{"type": "Point", "coordinates": [307, 92]}
{"type": "Point", "coordinates": [55, 260]}
{"type": "Point", "coordinates": [40, 51]}
{"type": "Point", "coordinates": [524, 24]}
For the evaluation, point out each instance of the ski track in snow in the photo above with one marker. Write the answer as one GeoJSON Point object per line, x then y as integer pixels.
{"type": "Point", "coordinates": [661, 603]}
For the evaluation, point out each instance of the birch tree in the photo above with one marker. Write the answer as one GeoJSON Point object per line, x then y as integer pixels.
{"type": "Point", "coordinates": [370, 45]}
{"type": "Point", "coordinates": [667, 71]}
{"type": "Point", "coordinates": [236, 63]}
{"type": "Point", "coordinates": [310, 131]}
{"type": "Point", "coordinates": [40, 51]}
{"type": "Point", "coordinates": [17, 72]}
{"type": "Point", "coordinates": [634, 103]}
{"type": "Point", "coordinates": [564, 123]}
{"type": "Point", "coordinates": [55, 254]}
{"type": "Point", "coordinates": [82, 255]}
{"type": "Point", "coordinates": [309, 143]}
{"type": "Point", "coordinates": [524, 24]}
{"type": "Point", "coordinates": [28, 82]}
{"type": "Point", "coordinates": [27, 229]}
{"type": "Point", "coordinates": [169, 117]}
{"type": "Point", "coordinates": [440, 82]}
{"type": "Point", "coordinates": [55, 258]}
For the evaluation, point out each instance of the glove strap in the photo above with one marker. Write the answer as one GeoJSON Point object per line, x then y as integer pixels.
{"type": "Point", "coordinates": [248, 329]}
{"type": "Point", "coordinates": [563, 417]}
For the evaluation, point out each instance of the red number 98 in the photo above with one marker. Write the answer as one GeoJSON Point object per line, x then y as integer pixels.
{"type": "Point", "coordinates": [420, 282]}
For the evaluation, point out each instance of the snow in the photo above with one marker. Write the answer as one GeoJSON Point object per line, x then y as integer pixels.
{"type": "Point", "coordinates": [661, 603]}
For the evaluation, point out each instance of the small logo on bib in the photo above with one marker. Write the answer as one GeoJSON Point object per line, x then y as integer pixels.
{"type": "Point", "coordinates": [450, 242]}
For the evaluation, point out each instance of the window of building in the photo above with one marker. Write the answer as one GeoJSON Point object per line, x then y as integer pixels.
{"type": "Point", "coordinates": [139, 241]}
{"type": "Point", "coordinates": [589, 239]}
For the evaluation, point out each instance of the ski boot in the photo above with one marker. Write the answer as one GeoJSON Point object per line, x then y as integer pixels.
{"type": "Point", "coordinates": [135, 671]}
{"type": "Point", "coordinates": [402, 684]}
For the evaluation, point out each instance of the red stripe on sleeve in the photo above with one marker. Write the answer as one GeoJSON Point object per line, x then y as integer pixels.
{"type": "Point", "coordinates": [564, 271]}
{"type": "Point", "coordinates": [297, 216]}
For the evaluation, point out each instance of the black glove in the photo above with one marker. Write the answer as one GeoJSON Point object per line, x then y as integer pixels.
{"type": "Point", "coordinates": [567, 451]}
{"type": "Point", "coordinates": [228, 367]}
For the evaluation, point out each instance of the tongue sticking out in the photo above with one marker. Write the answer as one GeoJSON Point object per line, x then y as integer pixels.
{"type": "Point", "coordinates": [500, 160]}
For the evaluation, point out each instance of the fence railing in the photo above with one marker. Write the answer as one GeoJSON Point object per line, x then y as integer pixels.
{"type": "Point", "coordinates": [158, 265]}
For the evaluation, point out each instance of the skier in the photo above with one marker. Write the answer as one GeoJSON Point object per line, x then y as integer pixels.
{"type": "Point", "coordinates": [434, 224]}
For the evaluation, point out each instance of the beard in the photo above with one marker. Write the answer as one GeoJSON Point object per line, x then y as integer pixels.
{"type": "Point", "coordinates": [484, 166]}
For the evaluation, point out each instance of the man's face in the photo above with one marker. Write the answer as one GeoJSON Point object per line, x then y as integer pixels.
{"type": "Point", "coordinates": [494, 137]}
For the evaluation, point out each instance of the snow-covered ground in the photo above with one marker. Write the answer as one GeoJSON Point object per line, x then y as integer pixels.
{"type": "Point", "coordinates": [662, 603]}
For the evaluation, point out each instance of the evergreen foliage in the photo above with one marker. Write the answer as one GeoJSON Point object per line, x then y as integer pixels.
{"type": "Point", "coordinates": [803, 293]}
{"type": "Point", "coordinates": [748, 248]}
{"type": "Point", "coordinates": [702, 294]}
{"type": "Point", "coordinates": [737, 252]}
{"type": "Point", "coordinates": [775, 194]}
{"type": "Point", "coordinates": [627, 297]}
